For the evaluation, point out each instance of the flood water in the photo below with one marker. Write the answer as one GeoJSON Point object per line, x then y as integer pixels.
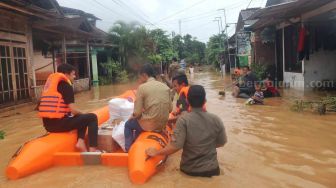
{"type": "Point", "coordinates": [268, 146]}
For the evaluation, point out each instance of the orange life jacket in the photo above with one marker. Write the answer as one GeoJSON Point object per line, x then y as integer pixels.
{"type": "Point", "coordinates": [184, 91]}
{"type": "Point", "coordinates": [51, 102]}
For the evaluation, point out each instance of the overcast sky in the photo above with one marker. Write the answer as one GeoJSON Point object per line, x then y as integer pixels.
{"type": "Point", "coordinates": [196, 15]}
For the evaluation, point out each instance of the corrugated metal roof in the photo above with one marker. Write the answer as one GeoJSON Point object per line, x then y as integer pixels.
{"type": "Point", "coordinates": [246, 13]}
{"type": "Point", "coordinates": [277, 2]}
{"type": "Point", "coordinates": [275, 14]}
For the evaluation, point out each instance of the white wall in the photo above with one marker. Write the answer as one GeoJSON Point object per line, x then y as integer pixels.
{"type": "Point", "coordinates": [321, 66]}
{"type": "Point", "coordinates": [295, 80]}
{"type": "Point", "coordinates": [41, 61]}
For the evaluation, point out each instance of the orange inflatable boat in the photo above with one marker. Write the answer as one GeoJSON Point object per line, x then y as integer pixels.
{"type": "Point", "coordinates": [58, 149]}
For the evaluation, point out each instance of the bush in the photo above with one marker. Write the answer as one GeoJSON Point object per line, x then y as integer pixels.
{"type": "Point", "coordinates": [113, 73]}
{"type": "Point", "coordinates": [259, 70]}
{"type": "Point", "coordinates": [2, 135]}
{"type": "Point", "coordinates": [122, 77]}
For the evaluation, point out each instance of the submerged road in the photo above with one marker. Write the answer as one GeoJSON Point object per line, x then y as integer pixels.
{"type": "Point", "coordinates": [268, 146]}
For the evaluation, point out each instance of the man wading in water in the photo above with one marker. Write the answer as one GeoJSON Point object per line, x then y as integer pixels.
{"type": "Point", "coordinates": [199, 133]}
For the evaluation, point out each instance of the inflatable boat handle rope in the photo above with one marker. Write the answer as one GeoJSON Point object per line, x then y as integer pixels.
{"type": "Point", "coordinates": [18, 151]}
{"type": "Point", "coordinates": [163, 144]}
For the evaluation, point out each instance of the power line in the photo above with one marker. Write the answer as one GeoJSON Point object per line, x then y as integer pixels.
{"type": "Point", "coordinates": [90, 6]}
{"type": "Point", "coordinates": [212, 12]}
{"type": "Point", "coordinates": [178, 12]}
{"type": "Point", "coordinates": [197, 15]}
{"type": "Point", "coordinates": [249, 4]}
{"type": "Point", "coordinates": [139, 10]}
{"type": "Point", "coordinates": [106, 7]}
{"type": "Point", "coordinates": [124, 5]}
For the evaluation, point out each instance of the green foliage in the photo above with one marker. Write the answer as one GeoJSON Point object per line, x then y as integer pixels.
{"type": "Point", "coordinates": [259, 70]}
{"type": "Point", "coordinates": [130, 38]}
{"type": "Point", "coordinates": [114, 73]}
{"type": "Point", "coordinates": [155, 58]}
{"type": "Point", "coordinates": [122, 77]}
{"type": "Point", "coordinates": [155, 45]}
{"type": "Point", "coordinates": [2, 135]}
{"type": "Point", "coordinates": [216, 47]}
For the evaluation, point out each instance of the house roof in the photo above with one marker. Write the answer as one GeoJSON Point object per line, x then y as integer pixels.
{"type": "Point", "coordinates": [278, 13]}
{"type": "Point", "coordinates": [244, 18]}
{"type": "Point", "coordinates": [77, 12]}
{"type": "Point", "coordinates": [51, 17]}
{"type": "Point", "coordinates": [45, 9]}
{"type": "Point", "coordinates": [276, 2]}
{"type": "Point", "coordinates": [246, 13]}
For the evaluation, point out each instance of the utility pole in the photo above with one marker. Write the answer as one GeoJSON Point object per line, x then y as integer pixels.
{"type": "Point", "coordinates": [180, 32]}
{"type": "Point", "coordinates": [219, 32]}
{"type": "Point", "coordinates": [227, 36]}
{"type": "Point", "coordinates": [220, 45]}
{"type": "Point", "coordinates": [221, 23]}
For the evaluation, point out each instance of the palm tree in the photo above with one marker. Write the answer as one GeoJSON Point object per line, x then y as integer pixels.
{"type": "Point", "coordinates": [124, 35]}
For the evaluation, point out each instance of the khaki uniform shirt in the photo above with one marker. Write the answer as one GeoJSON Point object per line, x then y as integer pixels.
{"type": "Point", "coordinates": [173, 70]}
{"type": "Point", "coordinates": [199, 133]}
{"type": "Point", "coordinates": [153, 105]}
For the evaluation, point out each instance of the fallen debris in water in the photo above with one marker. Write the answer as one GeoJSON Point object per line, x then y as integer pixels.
{"type": "Point", "coordinates": [325, 104]}
{"type": "Point", "coordinates": [2, 135]}
{"type": "Point", "coordinates": [221, 93]}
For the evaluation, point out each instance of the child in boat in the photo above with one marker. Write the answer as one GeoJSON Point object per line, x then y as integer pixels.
{"type": "Point", "coordinates": [258, 97]}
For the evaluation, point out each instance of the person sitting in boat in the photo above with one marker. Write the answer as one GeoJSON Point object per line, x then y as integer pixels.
{"type": "Point", "coordinates": [258, 97]}
{"type": "Point", "coordinates": [181, 86]}
{"type": "Point", "coordinates": [244, 88]}
{"type": "Point", "coordinates": [58, 110]}
{"type": "Point", "coordinates": [270, 90]}
{"type": "Point", "coordinates": [151, 107]}
{"type": "Point", "coordinates": [199, 133]}
{"type": "Point", "coordinates": [179, 72]}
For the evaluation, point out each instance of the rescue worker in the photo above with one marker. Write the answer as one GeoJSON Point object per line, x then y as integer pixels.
{"type": "Point", "coordinates": [151, 107]}
{"type": "Point", "coordinates": [58, 110]}
{"type": "Point", "coordinates": [198, 133]}
{"type": "Point", "coordinates": [181, 86]}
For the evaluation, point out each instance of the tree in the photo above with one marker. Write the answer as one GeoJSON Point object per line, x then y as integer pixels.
{"type": "Point", "coordinates": [162, 44]}
{"type": "Point", "coordinates": [136, 44]}
{"type": "Point", "coordinates": [177, 45]}
{"type": "Point", "coordinates": [216, 47]}
{"type": "Point", "coordinates": [129, 37]}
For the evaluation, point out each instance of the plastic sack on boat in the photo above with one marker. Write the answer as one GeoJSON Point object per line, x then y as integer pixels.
{"type": "Point", "coordinates": [120, 109]}
{"type": "Point", "coordinates": [118, 134]}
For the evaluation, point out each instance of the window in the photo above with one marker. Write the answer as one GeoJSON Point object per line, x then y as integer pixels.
{"type": "Point", "coordinates": [6, 84]}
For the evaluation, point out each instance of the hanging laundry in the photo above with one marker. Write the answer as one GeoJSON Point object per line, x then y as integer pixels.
{"type": "Point", "coordinates": [302, 34]}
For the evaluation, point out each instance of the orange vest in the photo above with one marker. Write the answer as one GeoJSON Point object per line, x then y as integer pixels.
{"type": "Point", "coordinates": [51, 102]}
{"type": "Point", "coordinates": [184, 91]}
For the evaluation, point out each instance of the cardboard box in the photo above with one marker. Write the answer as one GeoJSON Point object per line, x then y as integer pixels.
{"type": "Point", "coordinates": [105, 140]}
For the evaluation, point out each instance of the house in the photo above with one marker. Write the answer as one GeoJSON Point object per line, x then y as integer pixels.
{"type": "Point", "coordinates": [304, 35]}
{"type": "Point", "coordinates": [36, 36]}
{"type": "Point", "coordinates": [242, 37]}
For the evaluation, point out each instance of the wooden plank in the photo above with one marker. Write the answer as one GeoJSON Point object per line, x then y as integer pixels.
{"type": "Point", "coordinates": [13, 36]}
{"type": "Point", "coordinates": [30, 63]}
{"type": "Point", "coordinates": [64, 49]}
{"type": "Point", "coordinates": [22, 10]}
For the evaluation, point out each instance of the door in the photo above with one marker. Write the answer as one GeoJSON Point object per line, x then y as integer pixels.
{"type": "Point", "coordinates": [14, 87]}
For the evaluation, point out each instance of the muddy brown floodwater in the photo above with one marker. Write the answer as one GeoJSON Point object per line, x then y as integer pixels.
{"type": "Point", "coordinates": [268, 146]}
